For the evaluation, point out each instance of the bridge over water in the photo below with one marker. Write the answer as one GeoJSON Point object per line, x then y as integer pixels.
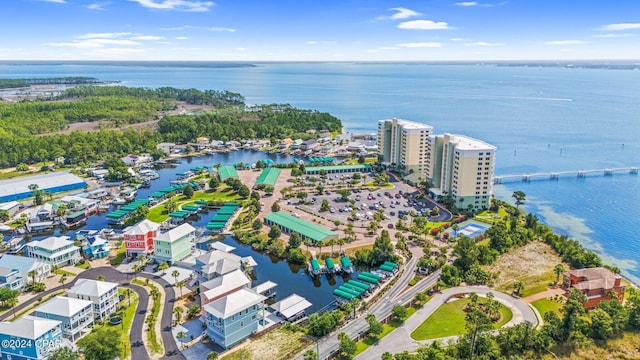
{"type": "Point", "coordinates": [555, 175]}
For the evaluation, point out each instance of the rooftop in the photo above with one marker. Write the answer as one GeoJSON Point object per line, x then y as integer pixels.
{"type": "Point", "coordinates": [64, 306]}
{"type": "Point", "coordinates": [594, 278]}
{"type": "Point", "coordinates": [225, 283]}
{"type": "Point", "coordinates": [233, 303]}
{"type": "Point", "coordinates": [227, 171]}
{"type": "Point", "coordinates": [90, 287]}
{"type": "Point", "coordinates": [141, 228]}
{"type": "Point", "coordinates": [291, 305]}
{"type": "Point", "coordinates": [467, 143]}
{"type": "Point", "coordinates": [176, 233]}
{"type": "Point", "coordinates": [28, 327]}
{"type": "Point", "coordinates": [52, 180]}
{"type": "Point", "coordinates": [407, 124]}
{"type": "Point", "coordinates": [305, 228]}
{"type": "Point", "coordinates": [219, 245]}
{"type": "Point", "coordinates": [52, 243]}
{"type": "Point", "coordinates": [268, 176]}
{"type": "Point", "coordinates": [21, 263]}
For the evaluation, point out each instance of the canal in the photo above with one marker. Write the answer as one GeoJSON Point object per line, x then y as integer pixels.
{"type": "Point", "coordinates": [290, 278]}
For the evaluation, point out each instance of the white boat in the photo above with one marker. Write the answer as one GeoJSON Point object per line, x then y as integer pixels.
{"type": "Point", "coordinates": [119, 201]}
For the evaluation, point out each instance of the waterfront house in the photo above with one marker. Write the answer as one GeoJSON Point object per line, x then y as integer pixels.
{"type": "Point", "coordinates": [39, 337]}
{"type": "Point", "coordinates": [54, 250]}
{"type": "Point", "coordinates": [220, 286]}
{"type": "Point", "coordinates": [78, 203]}
{"type": "Point", "coordinates": [11, 279]}
{"type": "Point", "coordinates": [41, 213]}
{"type": "Point", "coordinates": [216, 263]}
{"type": "Point", "coordinates": [165, 147]}
{"type": "Point", "coordinates": [285, 143]}
{"type": "Point", "coordinates": [103, 295]}
{"type": "Point", "coordinates": [309, 144]}
{"type": "Point", "coordinates": [292, 307]}
{"type": "Point", "coordinates": [76, 315]}
{"type": "Point", "coordinates": [597, 284]}
{"type": "Point", "coordinates": [11, 207]}
{"type": "Point", "coordinates": [24, 266]}
{"type": "Point", "coordinates": [296, 144]}
{"type": "Point", "coordinates": [138, 239]}
{"type": "Point", "coordinates": [175, 244]}
{"type": "Point", "coordinates": [233, 318]}
{"type": "Point", "coordinates": [96, 247]}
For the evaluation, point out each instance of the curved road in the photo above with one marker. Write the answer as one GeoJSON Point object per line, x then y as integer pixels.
{"type": "Point", "coordinates": [138, 350]}
{"type": "Point", "coordinates": [400, 339]}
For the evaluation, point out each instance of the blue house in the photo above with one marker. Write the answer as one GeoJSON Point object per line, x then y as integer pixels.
{"type": "Point", "coordinates": [96, 247]}
{"type": "Point", "coordinates": [233, 318]}
{"type": "Point", "coordinates": [27, 269]}
{"type": "Point", "coordinates": [30, 337]}
{"type": "Point", "coordinates": [11, 279]}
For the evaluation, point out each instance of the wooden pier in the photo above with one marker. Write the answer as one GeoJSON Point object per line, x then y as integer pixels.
{"type": "Point", "coordinates": [555, 175]}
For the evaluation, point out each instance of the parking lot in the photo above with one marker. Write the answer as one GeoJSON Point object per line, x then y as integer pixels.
{"type": "Point", "coordinates": [393, 203]}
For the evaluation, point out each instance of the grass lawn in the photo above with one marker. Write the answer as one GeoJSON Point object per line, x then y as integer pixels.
{"type": "Point", "coordinates": [363, 344]}
{"type": "Point", "coordinates": [119, 256]}
{"type": "Point", "coordinates": [159, 213]}
{"type": "Point", "coordinates": [449, 320]}
{"type": "Point", "coordinates": [84, 265]}
{"type": "Point", "coordinates": [545, 305]}
{"type": "Point", "coordinates": [155, 345]}
{"type": "Point", "coordinates": [64, 272]}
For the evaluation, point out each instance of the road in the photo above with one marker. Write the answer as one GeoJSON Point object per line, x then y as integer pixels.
{"type": "Point", "coordinates": [400, 339]}
{"type": "Point", "coordinates": [381, 309]}
{"type": "Point", "coordinates": [138, 350]}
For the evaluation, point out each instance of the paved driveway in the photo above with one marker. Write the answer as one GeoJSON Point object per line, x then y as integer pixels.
{"type": "Point", "coordinates": [400, 339]}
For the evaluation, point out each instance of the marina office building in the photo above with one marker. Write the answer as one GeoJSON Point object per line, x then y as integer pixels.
{"type": "Point", "coordinates": [402, 144]}
{"type": "Point", "coordinates": [462, 167]}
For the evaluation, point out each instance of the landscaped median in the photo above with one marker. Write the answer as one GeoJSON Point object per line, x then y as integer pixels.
{"type": "Point", "coordinates": [153, 331]}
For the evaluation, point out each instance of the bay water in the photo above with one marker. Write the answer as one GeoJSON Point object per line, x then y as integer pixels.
{"type": "Point", "coordinates": [541, 119]}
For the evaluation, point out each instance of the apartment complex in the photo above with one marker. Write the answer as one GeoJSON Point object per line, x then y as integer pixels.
{"type": "Point", "coordinates": [462, 167]}
{"type": "Point", "coordinates": [403, 144]}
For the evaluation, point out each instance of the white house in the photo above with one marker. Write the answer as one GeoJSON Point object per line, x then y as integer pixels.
{"type": "Point", "coordinates": [11, 207]}
{"type": "Point", "coordinates": [216, 263]}
{"type": "Point", "coordinates": [103, 295]}
{"type": "Point", "coordinates": [25, 268]}
{"type": "Point", "coordinates": [75, 315]}
{"type": "Point", "coordinates": [58, 251]}
{"type": "Point", "coordinates": [223, 285]}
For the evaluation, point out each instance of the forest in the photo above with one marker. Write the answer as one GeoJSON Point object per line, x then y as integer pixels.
{"type": "Point", "coordinates": [26, 127]}
{"type": "Point", "coordinates": [17, 83]}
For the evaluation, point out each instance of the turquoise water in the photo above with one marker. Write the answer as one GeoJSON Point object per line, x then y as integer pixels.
{"type": "Point", "coordinates": [541, 119]}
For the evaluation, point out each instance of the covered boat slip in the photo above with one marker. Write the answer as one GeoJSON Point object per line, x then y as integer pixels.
{"type": "Point", "coordinates": [121, 215]}
{"type": "Point", "coordinates": [222, 216]}
{"type": "Point", "coordinates": [268, 177]}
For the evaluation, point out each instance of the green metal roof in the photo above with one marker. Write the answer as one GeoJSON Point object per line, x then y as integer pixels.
{"type": "Point", "coordinates": [117, 214]}
{"type": "Point", "coordinates": [268, 177]}
{"type": "Point", "coordinates": [179, 214]}
{"type": "Point", "coordinates": [358, 284]}
{"type": "Point", "coordinates": [329, 263]}
{"type": "Point", "coordinates": [191, 208]}
{"type": "Point", "coordinates": [345, 261]}
{"type": "Point", "coordinates": [314, 264]}
{"type": "Point", "coordinates": [201, 202]}
{"type": "Point", "coordinates": [343, 294]}
{"type": "Point", "coordinates": [227, 172]}
{"type": "Point", "coordinates": [339, 168]}
{"type": "Point", "coordinates": [392, 264]}
{"type": "Point", "coordinates": [304, 228]}
{"type": "Point", "coordinates": [215, 226]}
{"type": "Point", "coordinates": [75, 214]}
{"type": "Point", "coordinates": [368, 279]}
{"type": "Point", "coordinates": [156, 195]}
{"type": "Point", "coordinates": [386, 267]}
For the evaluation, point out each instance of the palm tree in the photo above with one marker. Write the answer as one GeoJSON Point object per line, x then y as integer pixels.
{"type": "Point", "coordinates": [558, 269]}
{"type": "Point", "coordinates": [175, 274]}
{"type": "Point", "coordinates": [12, 302]}
{"type": "Point", "coordinates": [137, 269]}
{"type": "Point", "coordinates": [141, 258]}
{"type": "Point", "coordinates": [100, 278]}
{"type": "Point", "coordinates": [181, 335]}
{"type": "Point", "coordinates": [33, 274]}
{"type": "Point", "coordinates": [180, 285]}
{"type": "Point", "coordinates": [63, 279]}
{"type": "Point", "coordinates": [177, 312]}
{"type": "Point", "coordinates": [163, 267]}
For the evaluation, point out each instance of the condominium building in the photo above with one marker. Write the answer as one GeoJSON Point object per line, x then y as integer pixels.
{"type": "Point", "coordinates": [403, 144]}
{"type": "Point", "coordinates": [462, 167]}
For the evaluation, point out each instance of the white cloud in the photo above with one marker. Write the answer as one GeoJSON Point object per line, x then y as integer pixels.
{"type": "Point", "coordinates": [620, 27]}
{"type": "Point", "coordinates": [421, 45]}
{"type": "Point", "coordinates": [240, 49]}
{"type": "Point", "coordinates": [482, 43]}
{"type": "Point", "coordinates": [147, 37]}
{"type": "Point", "coordinates": [403, 13]}
{"type": "Point", "coordinates": [613, 35]}
{"type": "Point", "coordinates": [423, 25]}
{"type": "Point", "coordinates": [97, 6]}
{"type": "Point", "coordinates": [93, 43]}
{"type": "Point", "coordinates": [118, 51]}
{"type": "Point", "coordinates": [103, 35]}
{"type": "Point", "coordinates": [55, 1]}
{"type": "Point", "coordinates": [460, 39]}
{"type": "Point", "coordinates": [178, 28]}
{"type": "Point", "coordinates": [185, 49]}
{"type": "Point", "coordinates": [466, 3]}
{"type": "Point", "coordinates": [565, 42]}
{"type": "Point", "coordinates": [311, 42]}
{"type": "Point", "coordinates": [181, 38]}
{"type": "Point", "coordinates": [387, 48]}
{"type": "Point", "coordinates": [182, 5]}
{"type": "Point", "coordinates": [222, 29]}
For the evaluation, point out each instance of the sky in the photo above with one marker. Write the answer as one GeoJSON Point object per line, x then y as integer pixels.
{"type": "Point", "coordinates": [319, 30]}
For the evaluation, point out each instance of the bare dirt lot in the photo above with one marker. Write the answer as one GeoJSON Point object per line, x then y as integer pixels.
{"type": "Point", "coordinates": [276, 344]}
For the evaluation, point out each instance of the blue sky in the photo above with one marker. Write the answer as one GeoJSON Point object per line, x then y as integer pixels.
{"type": "Point", "coordinates": [328, 30]}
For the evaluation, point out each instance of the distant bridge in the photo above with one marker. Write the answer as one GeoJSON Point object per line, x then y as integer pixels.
{"type": "Point", "coordinates": [555, 175]}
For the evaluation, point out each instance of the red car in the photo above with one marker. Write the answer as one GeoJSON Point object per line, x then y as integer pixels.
{"type": "Point", "coordinates": [390, 226]}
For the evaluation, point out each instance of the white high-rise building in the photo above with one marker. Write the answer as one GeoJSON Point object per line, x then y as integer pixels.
{"type": "Point", "coordinates": [462, 167]}
{"type": "Point", "coordinates": [403, 144]}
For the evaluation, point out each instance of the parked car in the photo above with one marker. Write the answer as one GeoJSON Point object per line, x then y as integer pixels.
{"type": "Point", "coordinates": [390, 226]}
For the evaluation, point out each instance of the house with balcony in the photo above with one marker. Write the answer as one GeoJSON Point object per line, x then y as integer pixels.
{"type": "Point", "coordinates": [96, 247]}
{"type": "Point", "coordinates": [597, 284]}
{"type": "Point", "coordinates": [138, 239]}
{"type": "Point", "coordinates": [54, 250]}
{"type": "Point", "coordinates": [103, 295]}
{"type": "Point", "coordinates": [224, 285]}
{"type": "Point", "coordinates": [11, 279]}
{"type": "Point", "coordinates": [25, 268]}
{"type": "Point", "coordinates": [75, 315]}
{"type": "Point", "coordinates": [233, 318]}
{"type": "Point", "coordinates": [216, 263]}
{"type": "Point", "coordinates": [39, 336]}
{"type": "Point", "coordinates": [175, 244]}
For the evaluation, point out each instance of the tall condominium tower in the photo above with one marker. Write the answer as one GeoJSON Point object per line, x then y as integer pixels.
{"type": "Point", "coordinates": [462, 167]}
{"type": "Point", "coordinates": [403, 144]}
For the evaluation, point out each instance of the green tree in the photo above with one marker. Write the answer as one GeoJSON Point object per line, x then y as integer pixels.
{"type": "Point", "coordinates": [274, 232]}
{"type": "Point", "coordinates": [33, 274]}
{"type": "Point", "coordinates": [375, 326]}
{"type": "Point", "coordinates": [63, 353]}
{"type": "Point", "coordinates": [177, 313]}
{"type": "Point", "coordinates": [175, 274]}
{"type": "Point", "coordinates": [7, 294]}
{"type": "Point", "coordinates": [558, 270]}
{"type": "Point", "coordinates": [214, 355]}
{"type": "Point", "coordinates": [63, 280]}
{"type": "Point", "coordinates": [347, 346]}
{"type": "Point", "coordinates": [181, 336]}
{"type": "Point", "coordinates": [244, 191]}
{"type": "Point", "coordinates": [520, 198]}
{"type": "Point", "coordinates": [324, 206]}
{"type": "Point", "coordinates": [601, 324]}
{"type": "Point", "coordinates": [101, 346]}
{"type": "Point", "coordinates": [295, 240]}
{"type": "Point", "coordinates": [257, 224]}
{"type": "Point", "coordinates": [163, 267]}
{"type": "Point", "coordinates": [275, 207]}
{"type": "Point", "coordinates": [214, 182]}
{"type": "Point", "coordinates": [38, 194]}
{"type": "Point", "coordinates": [100, 277]}
{"type": "Point", "coordinates": [310, 354]}
{"type": "Point", "coordinates": [361, 159]}
{"type": "Point", "coordinates": [188, 192]}
{"type": "Point", "coordinates": [193, 311]}
{"type": "Point", "coordinates": [400, 312]}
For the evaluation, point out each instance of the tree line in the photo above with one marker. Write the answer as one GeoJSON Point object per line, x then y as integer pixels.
{"type": "Point", "coordinates": [17, 83]}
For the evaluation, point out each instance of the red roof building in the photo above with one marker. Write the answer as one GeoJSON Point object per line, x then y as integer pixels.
{"type": "Point", "coordinates": [595, 283]}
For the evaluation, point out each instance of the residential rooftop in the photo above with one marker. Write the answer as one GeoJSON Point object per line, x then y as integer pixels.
{"type": "Point", "coordinates": [64, 306]}
{"type": "Point", "coordinates": [234, 303]}
{"type": "Point", "coordinates": [89, 287]}
{"type": "Point", "coordinates": [28, 327]}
